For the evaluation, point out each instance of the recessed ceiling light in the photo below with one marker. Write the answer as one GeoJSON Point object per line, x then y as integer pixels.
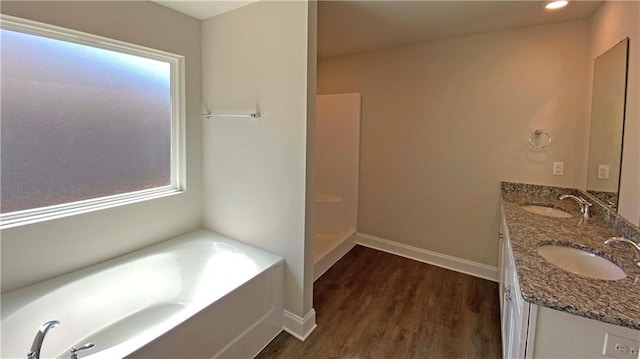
{"type": "Point", "coordinates": [553, 5]}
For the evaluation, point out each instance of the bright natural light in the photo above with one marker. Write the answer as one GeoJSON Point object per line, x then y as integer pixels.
{"type": "Point", "coordinates": [83, 122]}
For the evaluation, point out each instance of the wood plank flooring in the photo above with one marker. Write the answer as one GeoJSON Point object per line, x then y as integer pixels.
{"type": "Point", "coordinates": [373, 304]}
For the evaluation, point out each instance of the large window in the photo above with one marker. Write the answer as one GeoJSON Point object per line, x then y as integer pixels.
{"type": "Point", "coordinates": [87, 122]}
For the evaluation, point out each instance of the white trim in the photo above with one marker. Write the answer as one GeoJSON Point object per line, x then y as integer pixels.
{"type": "Point", "coordinates": [178, 124]}
{"type": "Point", "coordinates": [333, 257]}
{"type": "Point", "coordinates": [30, 216]}
{"type": "Point", "coordinates": [299, 327]}
{"type": "Point", "coordinates": [79, 37]}
{"type": "Point", "coordinates": [422, 255]}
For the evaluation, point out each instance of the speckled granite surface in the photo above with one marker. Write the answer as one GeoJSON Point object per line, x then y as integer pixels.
{"type": "Point", "coordinates": [609, 198]}
{"type": "Point", "coordinates": [542, 283]}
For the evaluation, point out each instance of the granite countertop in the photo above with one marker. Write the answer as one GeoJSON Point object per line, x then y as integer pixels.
{"type": "Point", "coordinates": [542, 283]}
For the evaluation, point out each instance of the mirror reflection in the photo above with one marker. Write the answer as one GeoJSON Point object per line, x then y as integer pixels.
{"type": "Point", "coordinates": [607, 123]}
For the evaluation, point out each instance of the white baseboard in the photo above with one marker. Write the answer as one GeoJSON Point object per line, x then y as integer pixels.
{"type": "Point", "coordinates": [299, 327]}
{"type": "Point", "coordinates": [475, 269]}
{"type": "Point", "coordinates": [332, 257]}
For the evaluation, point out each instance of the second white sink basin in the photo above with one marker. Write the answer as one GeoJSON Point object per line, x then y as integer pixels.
{"type": "Point", "coordinates": [546, 211]}
{"type": "Point", "coordinates": [581, 262]}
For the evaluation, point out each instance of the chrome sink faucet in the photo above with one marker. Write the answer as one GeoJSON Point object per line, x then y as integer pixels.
{"type": "Point", "coordinates": [584, 204]}
{"type": "Point", "coordinates": [622, 240]}
{"type": "Point", "coordinates": [37, 341]}
{"type": "Point", "coordinates": [635, 245]}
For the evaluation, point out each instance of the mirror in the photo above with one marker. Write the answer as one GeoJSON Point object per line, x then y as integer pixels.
{"type": "Point", "coordinates": [607, 123]}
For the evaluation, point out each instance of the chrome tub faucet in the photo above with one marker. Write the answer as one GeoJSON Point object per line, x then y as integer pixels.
{"type": "Point", "coordinates": [584, 204]}
{"type": "Point", "coordinates": [34, 353]}
{"type": "Point", "coordinates": [37, 341]}
{"type": "Point", "coordinates": [75, 350]}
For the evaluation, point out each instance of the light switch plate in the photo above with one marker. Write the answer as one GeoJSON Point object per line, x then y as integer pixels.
{"type": "Point", "coordinates": [558, 168]}
{"type": "Point", "coordinates": [603, 171]}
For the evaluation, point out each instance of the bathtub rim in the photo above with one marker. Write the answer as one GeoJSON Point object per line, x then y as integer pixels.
{"type": "Point", "coordinates": [21, 297]}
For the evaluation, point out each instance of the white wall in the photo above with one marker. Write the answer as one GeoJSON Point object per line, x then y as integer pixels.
{"type": "Point", "coordinates": [255, 171]}
{"type": "Point", "coordinates": [612, 22]}
{"type": "Point", "coordinates": [40, 251]}
{"type": "Point", "coordinates": [312, 69]}
{"type": "Point", "coordinates": [444, 122]}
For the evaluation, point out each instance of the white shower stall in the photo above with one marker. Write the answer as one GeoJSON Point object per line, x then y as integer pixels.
{"type": "Point", "coordinates": [337, 166]}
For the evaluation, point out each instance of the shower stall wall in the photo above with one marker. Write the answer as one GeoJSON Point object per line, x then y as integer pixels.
{"type": "Point", "coordinates": [337, 164]}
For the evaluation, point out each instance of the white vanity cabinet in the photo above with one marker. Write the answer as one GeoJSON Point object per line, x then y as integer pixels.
{"type": "Point", "coordinates": [533, 331]}
{"type": "Point", "coordinates": [514, 311]}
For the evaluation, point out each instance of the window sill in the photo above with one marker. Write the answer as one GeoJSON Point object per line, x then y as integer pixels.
{"type": "Point", "coordinates": [31, 216]}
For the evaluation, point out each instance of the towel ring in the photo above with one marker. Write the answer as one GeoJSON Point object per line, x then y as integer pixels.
{"type": "Point", "coordinates": [537, 134]}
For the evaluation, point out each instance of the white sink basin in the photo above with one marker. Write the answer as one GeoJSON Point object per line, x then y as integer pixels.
{"type": "Point", "coordinates": [581, 262]}
{"type": "Point", "coordinates": [546, 211]}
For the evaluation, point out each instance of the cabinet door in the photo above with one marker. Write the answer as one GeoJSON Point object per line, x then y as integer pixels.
{"type": "Point", "coordinates": [501, 271]}
{"type": "Point", "coordinates": [513, 342]}
{"type": "Point", "coordinates": [502, 264]}
{"type": "Point", "coordinates": [514, 318]}
{"type": "Point", "coordinates": [505, 292]}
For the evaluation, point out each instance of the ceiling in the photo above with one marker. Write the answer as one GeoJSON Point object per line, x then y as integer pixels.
{"type": "Point", "coordinates": [355, 26]}
{"type": "Point", "coordinates": [203, 9]}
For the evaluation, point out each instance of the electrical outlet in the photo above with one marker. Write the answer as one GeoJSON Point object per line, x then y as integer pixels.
{"type": "Point", "coordinates": [558, 168]}
{"type": "Point", "coordinates": [619, 347]}
{"type": "Point", "coordinates": [603, 171]}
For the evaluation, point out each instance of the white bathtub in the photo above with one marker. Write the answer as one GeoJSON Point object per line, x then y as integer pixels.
{"type": "Point", "coordinates": [200, 295]}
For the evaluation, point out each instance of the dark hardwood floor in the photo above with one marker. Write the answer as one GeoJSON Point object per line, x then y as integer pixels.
{"type": "Point", "coordinates": [373, 304]}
